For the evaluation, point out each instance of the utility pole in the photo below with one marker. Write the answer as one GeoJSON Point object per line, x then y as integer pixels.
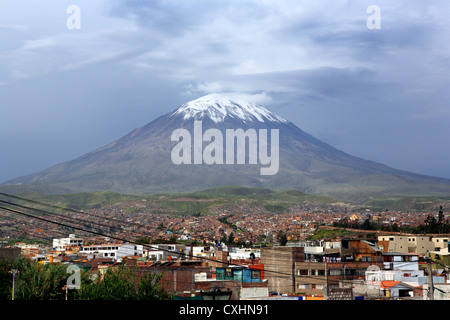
{"type": "Point", "coordinates": [327, 291]}
{"type": "Point", "coordinates": [13, 271]}
{"type": "Point", "coordinates": [293, 271]}
{"type": "Point", "coordinates": [430, 277]}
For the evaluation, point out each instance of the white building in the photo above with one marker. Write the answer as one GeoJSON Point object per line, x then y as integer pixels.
{"type": "Point", "coordinates": [401, 261]}
{"type": "Point", "coordinates": [155, 255]}
{"type": "Point", "coordinates": [399, 279]}
{"type": "Point", "coordinates": [61, 243]}
{"type": "Point", "coordinates": [415, 278]}
{"type": "Point", "coordinates": [244, 253]}
{"type": "Point", "coordinates": [114, 251]}
{"type": "Point", "coordinates": [127, 250]}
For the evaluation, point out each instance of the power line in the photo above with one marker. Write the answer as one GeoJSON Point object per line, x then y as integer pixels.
{"type": "Point", "coordinates": [68, 209]}
{"type": "Point", "coordinates": [289, 275]}
{"type": "Point", "coordinates": [125, 240]}
{"type": "Point", "coordinates": [283, 257]}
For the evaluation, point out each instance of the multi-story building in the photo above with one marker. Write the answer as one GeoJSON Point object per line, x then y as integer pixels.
{"type": "Point", "coordinates": [60, 244]}
{"type": "Point", "coordinates": [114, 251]}
{"type": "Point", "coordinates": [408, 244]}
{"type": "Point", "coordinates": [440, 260]}
{"type": "Point", "coordinates": [297, 270]}
{"type": "Point", "coordinates": [279, 267]}
{"type": "Point", "coordinates": [441, 243]}
{"type": "Point", "coordinates": [166, 251]}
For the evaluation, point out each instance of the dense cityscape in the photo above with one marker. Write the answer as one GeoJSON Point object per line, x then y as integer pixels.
{"type": "Point", "coordinates": [311, 251]}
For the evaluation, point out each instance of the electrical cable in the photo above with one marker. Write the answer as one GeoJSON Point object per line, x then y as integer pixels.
{"type": "Point", "coordinates": [98, 233]}
{"type": "Point", "coordinates": [125, 240]}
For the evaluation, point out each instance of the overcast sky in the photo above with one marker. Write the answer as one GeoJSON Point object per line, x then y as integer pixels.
{"type": "Point", "coordinates": [72, 81]}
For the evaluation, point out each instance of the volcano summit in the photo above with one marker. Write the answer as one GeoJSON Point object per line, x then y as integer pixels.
{"type": "Point", "coordinates": [215, 141]}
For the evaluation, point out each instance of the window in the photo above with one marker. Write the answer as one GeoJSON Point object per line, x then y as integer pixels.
{"type": "Point", "coordinates": [361, 272]}
{"type": "Point", "coordinates": [256, 274]}
{"type": "Point", "coordinates": [319, 272]}
{"type": "Point", "coordinates": [303, 286]}
{"type": "Point", "coordinates": [302, 272]}
{"type": "Point", "coordinates": [335, 272]}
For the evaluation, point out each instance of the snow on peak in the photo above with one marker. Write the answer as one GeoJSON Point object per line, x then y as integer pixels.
{"type": "Point", "coordinates": [217, 107]}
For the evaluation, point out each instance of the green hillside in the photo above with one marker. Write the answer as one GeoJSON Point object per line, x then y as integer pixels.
{"type": "Point", "coordinates": [202, 202]}
{"type": "Point", "coordinates": [188, 202]}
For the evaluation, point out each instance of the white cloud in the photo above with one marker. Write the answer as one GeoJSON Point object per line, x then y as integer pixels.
{"type": "Point", "coordinates": [38, 43]}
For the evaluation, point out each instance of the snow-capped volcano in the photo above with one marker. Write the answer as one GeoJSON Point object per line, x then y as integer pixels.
{"type": "Point", "coordinates": [141, 162]}
{"type": "Point", "coordinates": [219, 107]}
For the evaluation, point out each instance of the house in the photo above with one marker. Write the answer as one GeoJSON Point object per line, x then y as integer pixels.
{"type": "Point", "coordinates": [279, 264]}
{"type": "Point", "coordinates": [375, 290]}
{"type": "Point", "coordinates": [440, 260]}
{"type": "Point", "coordinates": [408, 244]}
{"type": "Point", "coordinates": [61, 243]}
{"type": "Point", "coordinates": [164, 251]}
{"type": "Point", "coordinates": [311, 278]}
{"type": "Point", "coordinates": [356, 217]}
{"type": "Point", "coordinates": [414, 278]}
{"type": "Point", "coordinates": [352, 250]}
{"type": "Point", "coordinates": [362, 250]}
{"type": "Point", "coordinates": [250, 279]}
{"type": "Point", "coordinates": [402, 261]}
{"type": "Point", "coordinates": [394, 290]}
{"type": "Point", "coordinates": [192, 280]}
{"type": "Point", "coordinates": [115, 251]}
{"type": "Point", "coordinates": [441, 243]}
{"type": "Point", "coordinates": [244, 253]}
{"type": "Point", "coordinates": [397, 277]}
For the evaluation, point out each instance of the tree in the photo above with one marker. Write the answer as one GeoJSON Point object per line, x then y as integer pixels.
{"type": "Point", "coordinates": [114, 284]}
{"type": "Point", "coordinates": [443, 225]}
{"type": "Point", "coordinates": [367, 225]}
{"type": "Point", "coordinates": [282, 238]}
{"type": "Point", "coordinates": [431, 225]}
{"type": "Point", "coordinates": [36, 281]}
{"type": "Point", "coordinates": [150, 288]}
{"type": "Point", "coordinates": [143, 240]}
{"type": "Point", "coordinates": [123, 283]}
{"type": "Point", "coordinates": [230, 238]}
{"type": "Point", "coordinates": [5, 280]}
